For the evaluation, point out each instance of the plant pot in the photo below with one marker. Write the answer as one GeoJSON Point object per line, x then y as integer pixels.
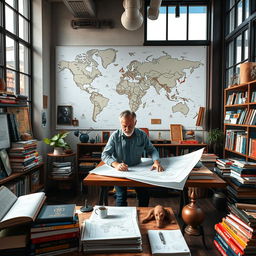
{"type": "Point", "coordinates": [245, 71]}
{"type": "Point", "coordinates": [58, 151]}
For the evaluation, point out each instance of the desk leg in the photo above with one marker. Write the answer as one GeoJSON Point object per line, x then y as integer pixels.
{"type": "Point", "coordinates": [183, 200]}
{"type": "Point", "coordinates": [103, 195]}
{"type": "Point", "coordinates": [193, 216]}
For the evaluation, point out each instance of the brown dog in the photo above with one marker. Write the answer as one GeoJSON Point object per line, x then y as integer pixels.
{"type": "Point", "coordinates": [160, 214]}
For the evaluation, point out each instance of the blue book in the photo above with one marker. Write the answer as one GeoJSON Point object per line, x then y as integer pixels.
{"type": "Point", "coordinates": [225, 246]}
{"type": "Point", "coordinates": [56, 213]}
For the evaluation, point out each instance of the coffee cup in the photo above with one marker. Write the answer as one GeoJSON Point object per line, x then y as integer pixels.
{"type": "Point", "coordinates": [102, 212]}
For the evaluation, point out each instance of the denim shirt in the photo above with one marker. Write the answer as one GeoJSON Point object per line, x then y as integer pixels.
{"type": "Point", "coordinates": [129, 150]}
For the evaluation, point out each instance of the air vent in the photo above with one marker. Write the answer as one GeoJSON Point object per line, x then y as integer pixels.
{"type": "Point", "coordinates": [81, 8]}
{"type": "Point", "coordinates": [91, 23]}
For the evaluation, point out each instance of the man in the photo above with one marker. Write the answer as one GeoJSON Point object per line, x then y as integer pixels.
{"type": "Point", "coordinates": [125, 148]}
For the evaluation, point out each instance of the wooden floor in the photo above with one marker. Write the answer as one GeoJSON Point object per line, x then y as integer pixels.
{"type": "Point", "coordinates": [195, 244]}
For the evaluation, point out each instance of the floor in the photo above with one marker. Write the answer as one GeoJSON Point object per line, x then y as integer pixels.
{"type": "Point", "coordinates": [170, 199]}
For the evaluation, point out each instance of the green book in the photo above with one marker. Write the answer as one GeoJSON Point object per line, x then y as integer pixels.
{"type": "Point", "coordinates": [56, 213]}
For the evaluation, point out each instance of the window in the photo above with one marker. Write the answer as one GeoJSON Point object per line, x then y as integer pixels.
{"type": "Point", "coordinates": [15, 45]}
{"type": "Point", "coordinates": [178, 21]}
{"type": "Point", "coordinates": [240, 27]}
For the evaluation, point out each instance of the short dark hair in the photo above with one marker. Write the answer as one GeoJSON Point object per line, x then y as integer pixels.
{"type": "Point", "coordinates": [127, 113]}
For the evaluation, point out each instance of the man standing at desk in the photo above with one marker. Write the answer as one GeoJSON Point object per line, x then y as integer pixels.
{"type": "Point", "coordinates": [125, 148]}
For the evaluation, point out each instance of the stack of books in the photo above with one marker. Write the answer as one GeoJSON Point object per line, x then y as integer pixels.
{"type": "Point", "coordinates": [7, 97]}
{"type": "Point", "coordinates": [236, 234]}
{"type": "Point", "coordinates": [209, 160]}
{"type": "Point", "coordinates": [23, 155]}
{"type": "Point", "coordinates": [61, 170]}
{"type": "Point", "coordinates": [223, 167]}
{"type": "Point", "coordinates": [55, 231]}
{"type": "Point", "coordinates": [118, 232]}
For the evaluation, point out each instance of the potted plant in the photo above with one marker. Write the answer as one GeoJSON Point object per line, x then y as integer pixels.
{"type": "Point", "coordinates": [58, 142]}
{"type": "Point", "coordinates": [216, 140]}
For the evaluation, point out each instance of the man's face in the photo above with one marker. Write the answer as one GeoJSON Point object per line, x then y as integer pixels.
{"type": "Point", "coordinates": [128, 124]}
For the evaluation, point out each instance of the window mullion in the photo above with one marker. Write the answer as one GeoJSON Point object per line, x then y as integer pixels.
{"type": "Point", "coordinates": [167, 23]}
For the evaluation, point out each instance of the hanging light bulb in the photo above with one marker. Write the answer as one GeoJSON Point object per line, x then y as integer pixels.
{"type": "Point", "coordinates": [132, 19]}
{"type": "Point", "coordinates": [153, 11]}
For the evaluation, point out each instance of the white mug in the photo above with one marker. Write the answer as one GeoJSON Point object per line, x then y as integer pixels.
{"type": "Point", "coordinates": [102, 212]}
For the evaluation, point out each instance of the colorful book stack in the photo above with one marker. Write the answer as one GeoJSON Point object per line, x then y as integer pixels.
{"type": "Point", "coordinates": [242, 183]}
{"type": "Point", "coordinates": [236, 234]}
{"type": "Point", "coordinates": [56, 230]}
{"type": "Point", "coordinates": [23, 155]}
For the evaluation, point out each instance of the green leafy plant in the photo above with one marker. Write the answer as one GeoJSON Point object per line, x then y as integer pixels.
{"type": "Point", "coordinates": [216, 136]}
{"type": "Point", "coordinates": [216, 140]}
{"type": "Point", "coordinates": [58, 140]}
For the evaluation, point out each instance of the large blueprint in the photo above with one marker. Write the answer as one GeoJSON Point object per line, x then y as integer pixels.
{"type": "Point", "coordinates": [176, 171]}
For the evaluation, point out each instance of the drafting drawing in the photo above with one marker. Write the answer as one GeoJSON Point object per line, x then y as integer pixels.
{"type": "Point", "coordinates": [175, 175]}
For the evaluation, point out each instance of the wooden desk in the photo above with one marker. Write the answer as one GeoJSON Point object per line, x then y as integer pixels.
{"type": "Point", "coordinates": [104, 182]}
{"type": "Point", "coordinates": [142, 212]}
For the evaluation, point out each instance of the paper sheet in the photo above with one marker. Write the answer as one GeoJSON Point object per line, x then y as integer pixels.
{"type": "Point", "coordinates": [176, 171]}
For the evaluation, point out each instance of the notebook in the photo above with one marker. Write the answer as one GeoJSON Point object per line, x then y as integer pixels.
{"type": "Point", "coordinates": [168, 242]}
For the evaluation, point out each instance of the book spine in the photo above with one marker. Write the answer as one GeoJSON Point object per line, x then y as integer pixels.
{"type": "Point", "coordinates": [57, 247]}
{"type": "Point", "coordinates": [233, 234]}
{"type": "Point", "coordinates": [49, 228]}
{"type": "Point", "coordinates": [53, 238]}
{"type": "Point", "coordinates": [228, 239]}
{"type": "Point", "coordinates": [53, 243]}
{"type": "Point", "coordinates": [219, 248]}
{"type": "Point", "coordinates": [224, 245]}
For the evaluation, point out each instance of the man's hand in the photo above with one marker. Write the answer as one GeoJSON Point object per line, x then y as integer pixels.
{"type": "Point", "coordinates": [120, 166]}
{"type": "Point", "coordinates": [157, 166]}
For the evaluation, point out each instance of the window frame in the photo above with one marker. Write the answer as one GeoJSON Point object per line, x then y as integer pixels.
{"type": "Point", "coordinates": [17, 41]}
{"type": "Point", "coordinates": [247, 24]}
{"type": "Point", "coordinates": [167, 42]}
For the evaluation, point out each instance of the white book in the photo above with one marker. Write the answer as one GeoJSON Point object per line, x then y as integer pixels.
{"type": "Point", "coordinates": [19, 210]}
{"type": "Point", "coordinates": [168, 242]}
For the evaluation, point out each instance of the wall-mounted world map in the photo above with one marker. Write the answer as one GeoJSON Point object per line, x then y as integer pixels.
{"type": "Point", "coordinates": [167, 83]}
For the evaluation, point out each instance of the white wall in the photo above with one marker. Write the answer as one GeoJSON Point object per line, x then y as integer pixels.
{"type": "Point", "coordinates": [61, 33]}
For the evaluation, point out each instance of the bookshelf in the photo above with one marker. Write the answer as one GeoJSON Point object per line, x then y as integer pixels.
{"type": "Point", "coordinates": [61, 169]}
{"type": "Point", "coordinates": [26, 182]}
{"type": "Point", "coordinates": [240, 121]}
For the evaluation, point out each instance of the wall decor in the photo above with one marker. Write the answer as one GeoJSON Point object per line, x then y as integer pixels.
{"type": "Point", "coordinates": [64, 115]}
{"type": "Point", "coordinates": [160, 82]}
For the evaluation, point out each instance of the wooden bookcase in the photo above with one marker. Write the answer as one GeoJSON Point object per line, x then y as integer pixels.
{"type": "Point", "coordinates": [26, 182]}
{"type": "Point", "coordinates": [63, 181]}
{"type": "Point", "coordinates": [239, 113]}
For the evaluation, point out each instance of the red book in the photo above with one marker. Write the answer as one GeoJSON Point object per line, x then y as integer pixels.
{"type": "Point", "coordinates": [229, 239]}
{"type": "Point", "coordinates": [55, 237]}
{"type": "Point", "coordinates": [189, 142]}
{"type": "Point", "coordinates": [219, 248]}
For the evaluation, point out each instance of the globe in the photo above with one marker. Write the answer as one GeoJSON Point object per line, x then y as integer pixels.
{"type": "Point", "coordinates": [84, 138]}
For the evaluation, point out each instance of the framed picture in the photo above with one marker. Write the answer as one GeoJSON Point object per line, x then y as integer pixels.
{"type": "Point", "coordinates": [105, 136]}
{"type": "Point", "coordinates": [6, 162]}
{"type": "Point", "coordinates": [176, 132]}
{"type": "Point", "coordinates": [4, 132]}
{"type": "Point", "coordinates": [64, 115]}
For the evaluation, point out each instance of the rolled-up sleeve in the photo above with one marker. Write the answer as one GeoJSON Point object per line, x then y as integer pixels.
{"type": "Point", "coordinates": [107, 154]}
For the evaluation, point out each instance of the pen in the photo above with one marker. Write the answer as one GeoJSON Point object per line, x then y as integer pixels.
{"type": "Point", "coordinates": [161, 237]}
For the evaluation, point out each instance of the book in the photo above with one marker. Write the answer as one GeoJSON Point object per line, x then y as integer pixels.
{"type": "Point", "coordinates": [168, 242]}
{"type": "Point", "coordinates": [19, 210]}
{"type": "Point", "coordinates": [56, 213]}
{"type": "Point", "coordinates": [13, 237]}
